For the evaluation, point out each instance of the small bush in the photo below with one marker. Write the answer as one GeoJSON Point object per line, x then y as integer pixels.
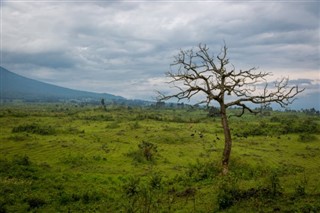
{"type": "Point", "coordinates": [300, 189]}
{"type": "Point", "coordinates": [3, 208]}
{"type": "Point", "coordinates": [21, 160]}
{"type": "Point", "coordinates": [148, 149]}
{"type": "Point", "coordinates": [113, 125]}
{"type": "Point", "coordinates": [99, 118]}
{"type": "Point", "coordinates": [64, 198]}
{"type": "Point", "coordinates": [228, 192]}
{"type": "Point", "coordinates": [74, 130]}
{"type": "Point", "coordinates": [307, 137]}
{"type": "Point", "coordinates": [18, 167]}
{"type": "Point", "coordinates": [202, 171]}
{"type": "Point", "coordinates": [156, 181]}
{"type": "Point", "coordinates": [308, 126]}
{"type": "Point", "coordinates": [88, 197]}
{"type": "Point", "coordinates": [135, 125]}
{"type": "Point", "coordinates": [75, 160]}
{"type": "Point", "coordinates": [132, 187]}
{"type": "Point", "coordinates": [35, 202]}
{"type": "Point", "coordinates": [35, 129]}
{"type": "Point", "coordinates": [246, 171]}
{"type": "Point", "coordinates": [274, 184]}
{"type": "Point", "coordinates": [23, 137]}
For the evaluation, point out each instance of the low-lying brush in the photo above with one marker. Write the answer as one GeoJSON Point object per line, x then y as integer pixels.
{"type": "Point", "coordinates": [35, 129]}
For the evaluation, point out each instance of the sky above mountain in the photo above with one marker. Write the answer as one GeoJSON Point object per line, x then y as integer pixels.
{"type": "Point", "coordinates": [125, 47]}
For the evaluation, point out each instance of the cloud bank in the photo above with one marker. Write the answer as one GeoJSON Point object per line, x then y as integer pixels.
{"type": "Point", "coordinates": [124, 47]}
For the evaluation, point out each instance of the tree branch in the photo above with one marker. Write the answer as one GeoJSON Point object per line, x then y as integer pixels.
{"type": "Point", "coordinates": [197, 72]}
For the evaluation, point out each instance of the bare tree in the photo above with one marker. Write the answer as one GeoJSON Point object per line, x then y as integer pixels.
{"type": "Point", "coordinates": [103, 104]}
{"type": "Point", "coordinates": [199, 72]}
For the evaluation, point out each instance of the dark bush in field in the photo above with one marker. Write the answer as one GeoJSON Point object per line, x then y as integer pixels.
{"type": "Point", "coordinates": [202, 171]}
{"type": "Point", "coordinates": [18, 167]}
{"type": "Point", "coordinates": [228, 192]}
{"type": "Point", "coordinates": [3, 208]}
{"type": "Point", "coordinates": [274, 184]}
{"type": "Point", "coordinates": [75, 160]}
{"type": "Point", "coordinates": [147, 151]}
{"type": "Point", "coordinates": [252, 129]}
{"type": "Point", "coordinates": [277, 126]}
{"type": "Point", "coordinates": [131, 187]}
{"type": "Point", "coordinates": [98, 118]}
{"type": "Point", "coordinates": [295, 124]}
{"type": "Point", "coordinates": [247, 172]}
{"type": "Point", "coordinates": [35, 202]}
{"type": "Point", "coordinates": [135, 125]}
{"type": "Point", "coordinates": [22, 160]}
{"type": "Point", "coordinates": [307, 137]}
{"type": "Point", "coordinates": [35, 129]}
{"type": "Point", "coordinates": [145, 195]}
{"type": "Point", "coordinates": [85, 197]}
{"type": "Point", "coordinates": [113, 125]}
{"type": "Point", "coordinates": [156, 181]}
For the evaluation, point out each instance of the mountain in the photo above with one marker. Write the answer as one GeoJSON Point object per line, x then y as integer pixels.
{"type": "Point", "coordinates": [13, 86]}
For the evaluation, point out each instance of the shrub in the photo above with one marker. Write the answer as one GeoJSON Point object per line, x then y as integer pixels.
{"type": "Point", "coordinates": [135, 125]}
{"type": "Point", "coordinates": [143, 196]}
{"type": "Point", "coordinates": [18, 167]}
{"type": "Point", "coordinates": [202, 171]}
{"type": "Point", "coordinates": [35, 129]}
{"type": "Point", "coordinates": [275, 119]}
{"type": "Point", "coordinates": [131, 190]}
{"type": "Point", "coordinates": [98, 118]}
{"type": "Point", "coordinates": [300, 189]}
{"type": "Point", "coordinates": [35, 202]}
{"type": "Point", "coordinates": [131, 187]}
{"type": "Point", "coordinates": [252, 130]}
{"type": "Point", "coordinates": [89, 196]}
{"type": "Point", "coordinates": [308, 126]}
{"type": "Point", "coordinates": [75, 160]}
{"type": "Point", "coordinates": [21, 160]}
{"type": "Point", "coordinates": [274, 184]}
{"type": "Point", "coordinates": [113, 125]}
{"type": "Point", "coordinates": [3, 208]}
{"type": "Point", "coordinates": [156, 181]}
{"type": "Point", "coordinates": [246, 171]}
{"type": "Point", "coordinates": [228, 192]}
{"type": "Point", "coordinates": [64, 198]}
{"type": "Point", "coordinates": [306, 137]}
{"type": "Point", "coordinates": [146, 151]}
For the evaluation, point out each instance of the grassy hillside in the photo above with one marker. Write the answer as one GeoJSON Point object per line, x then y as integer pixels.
{"type": "Point", "coordinates": [60, 158]}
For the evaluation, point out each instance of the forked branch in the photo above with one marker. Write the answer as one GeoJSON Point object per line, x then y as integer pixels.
{"type": "Point", "coordinates": [199, 72]}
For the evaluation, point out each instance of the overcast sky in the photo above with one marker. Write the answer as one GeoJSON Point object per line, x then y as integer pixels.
{"type": "Point", "coordinates": [125, 47]}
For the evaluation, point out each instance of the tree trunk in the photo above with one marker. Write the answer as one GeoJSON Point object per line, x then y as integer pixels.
{"type": "Point", "coordinates": [228, 140]}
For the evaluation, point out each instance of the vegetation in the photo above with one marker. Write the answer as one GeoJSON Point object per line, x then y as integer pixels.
{"type": "Point", "coordinates": [60, 158]}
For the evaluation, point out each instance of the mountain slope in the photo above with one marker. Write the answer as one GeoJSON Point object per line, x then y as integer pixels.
{"type": "Point", "coordinates": [13, 86]}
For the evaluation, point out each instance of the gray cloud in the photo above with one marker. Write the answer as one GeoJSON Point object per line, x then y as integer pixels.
{"type": "Point", "coordinates": [110, 46]}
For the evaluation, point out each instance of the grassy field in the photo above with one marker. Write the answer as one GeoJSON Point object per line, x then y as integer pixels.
{"type": "Point", "coordinates": [63, 158]}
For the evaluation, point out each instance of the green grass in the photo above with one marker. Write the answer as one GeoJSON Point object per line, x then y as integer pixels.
{"type": "Point", "coordinates": [59, 158]}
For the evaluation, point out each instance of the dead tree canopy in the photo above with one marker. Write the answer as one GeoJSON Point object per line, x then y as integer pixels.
{"type": "Point", "coordinates": [198, 72]}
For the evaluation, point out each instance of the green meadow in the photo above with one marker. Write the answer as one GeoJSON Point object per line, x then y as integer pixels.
{"type": "Point", "coordinates": [66, 158]}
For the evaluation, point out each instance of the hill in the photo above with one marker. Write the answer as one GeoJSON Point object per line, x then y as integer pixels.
{"type": "Point", "coordinates": [13, 86]}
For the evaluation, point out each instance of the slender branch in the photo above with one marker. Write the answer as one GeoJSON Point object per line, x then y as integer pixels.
{"type": "Point", "coordinates": [197, 71]}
